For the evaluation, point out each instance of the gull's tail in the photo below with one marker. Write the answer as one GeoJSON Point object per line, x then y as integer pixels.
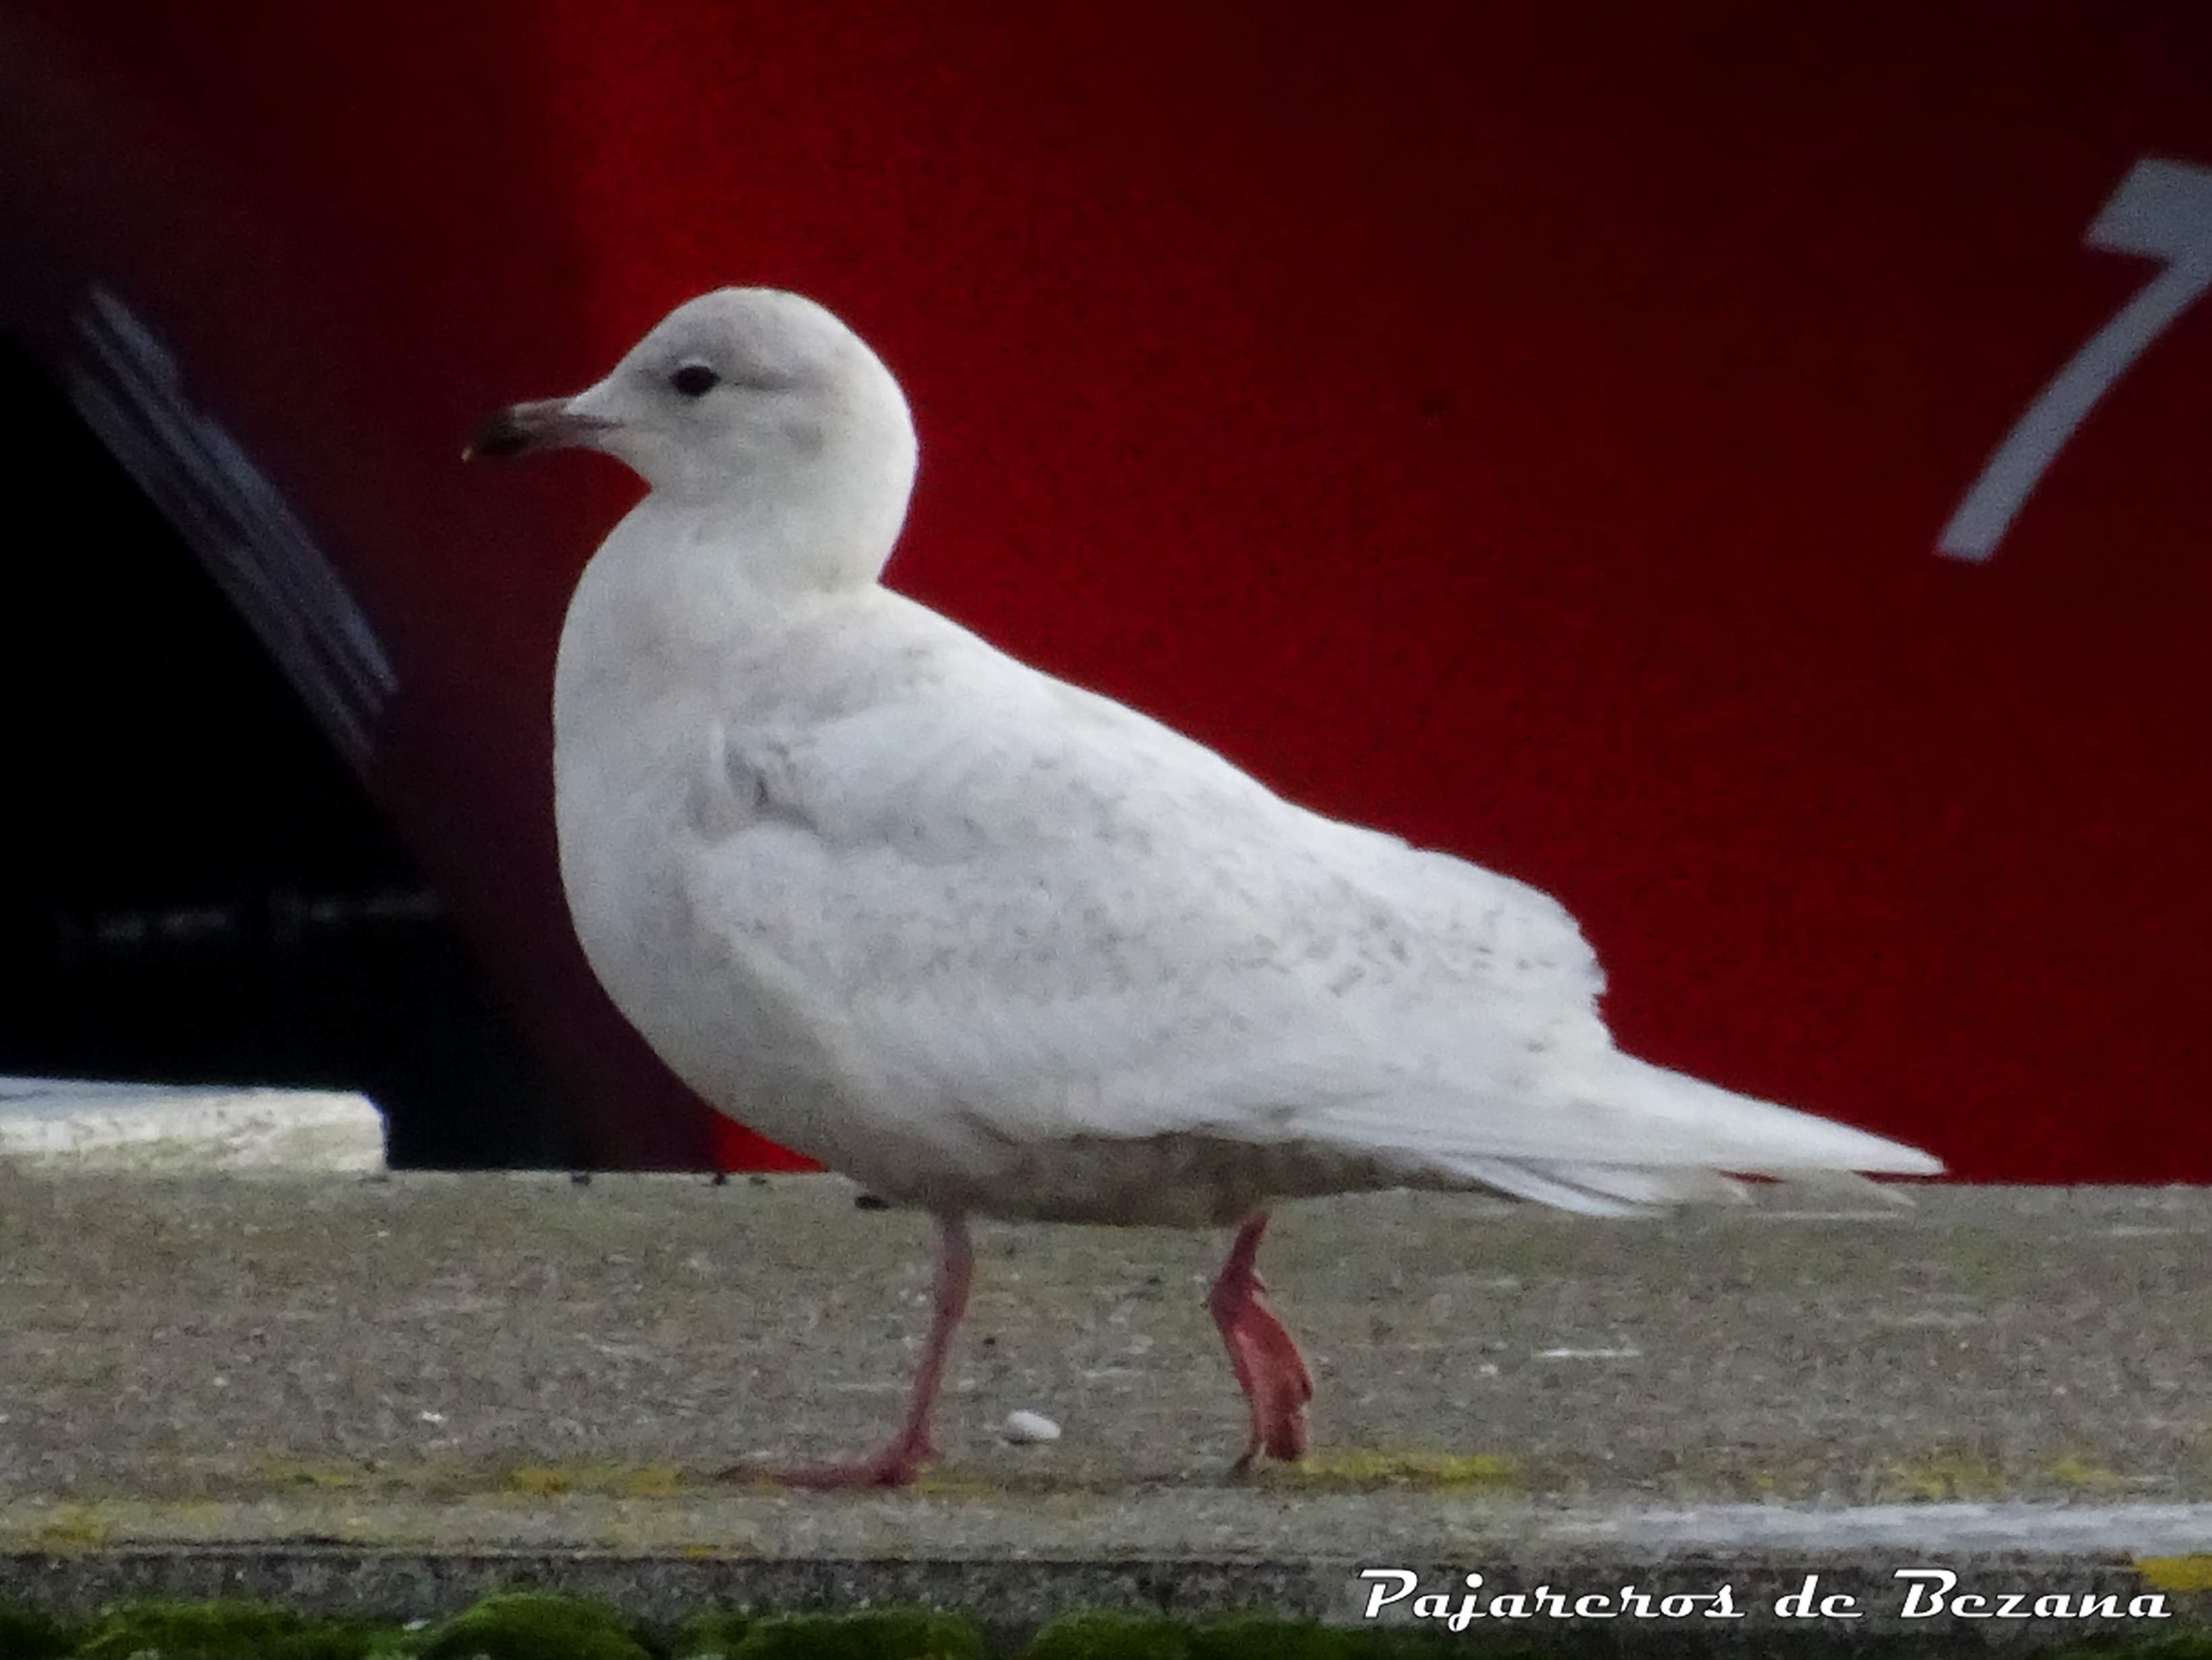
{"type": "Point", "coordinates": [1636, 1137]}
{"type": "Point", "coordinates": [1676, 1114]}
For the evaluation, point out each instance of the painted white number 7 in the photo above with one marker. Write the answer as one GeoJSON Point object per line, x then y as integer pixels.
{"type": "Point", "coordinates": [2162, 210]}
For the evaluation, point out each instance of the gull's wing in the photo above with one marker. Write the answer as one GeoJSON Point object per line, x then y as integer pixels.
{"type": "Point", "coordinates": [1032, 910]}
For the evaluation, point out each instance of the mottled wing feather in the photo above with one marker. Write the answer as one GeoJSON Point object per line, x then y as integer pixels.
{"type": "Point", "coordinates": [1056, 917]}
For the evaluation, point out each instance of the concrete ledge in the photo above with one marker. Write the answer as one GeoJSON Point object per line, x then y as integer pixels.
{"type": "Point", "coordinates": [57, 1125]}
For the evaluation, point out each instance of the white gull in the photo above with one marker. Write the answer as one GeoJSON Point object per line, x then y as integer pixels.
{"type": "Point", "coordinates": [987, 942]}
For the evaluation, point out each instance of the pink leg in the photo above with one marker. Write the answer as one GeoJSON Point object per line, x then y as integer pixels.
{"type": "Point", "coordinates": [899, 1460]}
{"type": "Point", "coordinates": [1269, 1368]}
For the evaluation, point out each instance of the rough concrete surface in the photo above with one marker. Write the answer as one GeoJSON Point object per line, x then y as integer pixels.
{"type": "Point", "coordinates": [339, 1368]}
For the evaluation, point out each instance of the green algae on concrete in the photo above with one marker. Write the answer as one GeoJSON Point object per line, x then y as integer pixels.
{"type": "Point", "coordinates": [874, 1634]}
{"type": "Point", "coordinates": [1146, 1637]}
{"type": "Point", "coordinates": [2176, 1573]}
{"type": "Point", "coordinates": [1110, 1637]}
{"type": "Point", "coordinates": [537, 1625]}
{"type": "Point", "coordinates": [1354, 1469]}
{"type": "Point", "coordinates": [226, 1631]}
{"type": "Point", "coordinates": [1156, 1636]}
{"type": "Point", "coordinates": [533, 1626]}
{"type": "Point", "coordinates": [27, 1634]}
{"type": "Point", "coordinates": [2181, 1645]}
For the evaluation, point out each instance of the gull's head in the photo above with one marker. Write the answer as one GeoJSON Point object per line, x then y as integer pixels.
{"type": "Point", "coordinates": [742, 393]}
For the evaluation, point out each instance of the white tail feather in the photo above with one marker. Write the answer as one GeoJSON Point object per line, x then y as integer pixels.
{"type": "Point", "coordinates": [1668, 1118]}
{"type": "Point", "coordinates": [1620, 1137]}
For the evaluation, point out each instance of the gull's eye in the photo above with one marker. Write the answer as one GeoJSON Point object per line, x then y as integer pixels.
{"type": "Point", "coordinates": [695, 380]}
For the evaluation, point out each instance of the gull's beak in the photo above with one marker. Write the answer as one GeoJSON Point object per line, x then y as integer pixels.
{"type": "Point", "coordinates": [550, 423]}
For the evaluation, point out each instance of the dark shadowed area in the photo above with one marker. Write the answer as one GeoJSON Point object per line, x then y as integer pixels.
{"type": "Point", "coordinates": [193, 887]}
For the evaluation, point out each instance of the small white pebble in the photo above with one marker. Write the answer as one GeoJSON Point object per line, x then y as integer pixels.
{"type": "Point", "coordinates": [1025, 1428]}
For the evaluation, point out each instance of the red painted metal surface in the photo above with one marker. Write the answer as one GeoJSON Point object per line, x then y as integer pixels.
{"type": "Point", "coordinates": [1529, 431]}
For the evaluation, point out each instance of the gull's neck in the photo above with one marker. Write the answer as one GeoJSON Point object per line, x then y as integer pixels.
{"type": "Point", "coordinates": [689, 587]}
{"type": "Point", "coordinates": [790, 536]}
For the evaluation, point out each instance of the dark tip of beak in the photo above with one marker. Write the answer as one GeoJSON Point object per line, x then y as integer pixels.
{"type": "Point", "coordinates": [497, 439]}
{"type": "Point", "coordinates": [521, 428]}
